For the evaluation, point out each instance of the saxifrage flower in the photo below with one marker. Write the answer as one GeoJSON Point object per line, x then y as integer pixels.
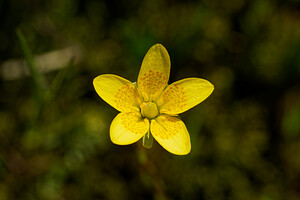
{"type": "Point", "coordinates": [150, 107]}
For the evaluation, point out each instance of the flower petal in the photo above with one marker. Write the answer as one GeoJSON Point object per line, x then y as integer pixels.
{"type": "Point", "coordinates": [128, 128]}
{"type": "Point", "coordinates": [117, 92]}
{"type": "Point", "coordinates": [171, 133]}
{"type": "Point", "coordinates": [183, 95]}
{"type": "Point", "coordinates": [154, 73]}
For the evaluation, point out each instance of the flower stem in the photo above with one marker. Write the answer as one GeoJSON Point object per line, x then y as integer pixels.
{"type": "Point", "coordinates": [150, 174]}
{"type": "Point", "coordinates": [148, 140]}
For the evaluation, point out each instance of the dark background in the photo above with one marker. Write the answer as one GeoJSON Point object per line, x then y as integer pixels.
{"type": "Point", "coordinates": [54, 129]}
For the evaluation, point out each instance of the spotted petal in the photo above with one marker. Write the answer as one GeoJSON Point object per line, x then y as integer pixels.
{"type": "Point", "coordinates": [183, 95]}
{"type": "Point", "coordinates": [171, 133]}
{"type": "Point", "coordinates": [118, 92]}
{"type": "Point", "coordinates": [128, 128]}
{"type": "Point", "coordinates": [154, 72]}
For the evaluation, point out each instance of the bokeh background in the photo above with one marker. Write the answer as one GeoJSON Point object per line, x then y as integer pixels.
{"type": "Point", "coordinates": [54, 129]}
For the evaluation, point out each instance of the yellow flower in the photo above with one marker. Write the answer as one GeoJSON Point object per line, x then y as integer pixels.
{"type": "Point", "coordinates": [151, 106]}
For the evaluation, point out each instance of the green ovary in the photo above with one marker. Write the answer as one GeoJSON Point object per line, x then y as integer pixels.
{"type": "Point", "coordinates": [149, 110]}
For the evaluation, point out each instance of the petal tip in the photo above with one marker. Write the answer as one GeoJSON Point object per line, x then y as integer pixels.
{"type": "Point", "coordinates": [158, 45]}
{"type": "Point", "coordinates": [211, 86]}
{"type": "Point", "coordinates": [182, 153]}
{"type": "Point", "coordinates": [160, 48]}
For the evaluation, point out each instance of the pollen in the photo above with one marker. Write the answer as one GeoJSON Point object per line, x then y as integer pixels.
{"type": "Point", "coordinates": [126, 96]}
{"type": "Point", "coordinates": [165, 127]}
{"type": "Point", "coordinates": [151, 82]}
{"type": "Point", "coordinates": [134, 123]}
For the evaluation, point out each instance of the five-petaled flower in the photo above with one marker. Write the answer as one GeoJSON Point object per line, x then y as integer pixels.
{"type": "Point", "coordinates": [151, 106]}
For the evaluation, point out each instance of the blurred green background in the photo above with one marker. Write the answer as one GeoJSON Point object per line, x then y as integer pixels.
{"type": "Point", "coordinates": [54, 129]}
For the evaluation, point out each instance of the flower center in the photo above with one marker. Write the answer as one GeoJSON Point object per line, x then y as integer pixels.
{"type": "Point", "coordinates": [149, 109]}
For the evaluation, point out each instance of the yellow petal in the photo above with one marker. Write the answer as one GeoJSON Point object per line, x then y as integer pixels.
{"type": "Point", "coordinates": [128, 128]}
{"type": "Point", "coordinates": [171, 133]}
{"type": "Point", "coordinates": [117, 92]}
{"type": "Point", "coordinates": [154, 73]}
{"type": "Point", "coordinates": [183, 95]}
